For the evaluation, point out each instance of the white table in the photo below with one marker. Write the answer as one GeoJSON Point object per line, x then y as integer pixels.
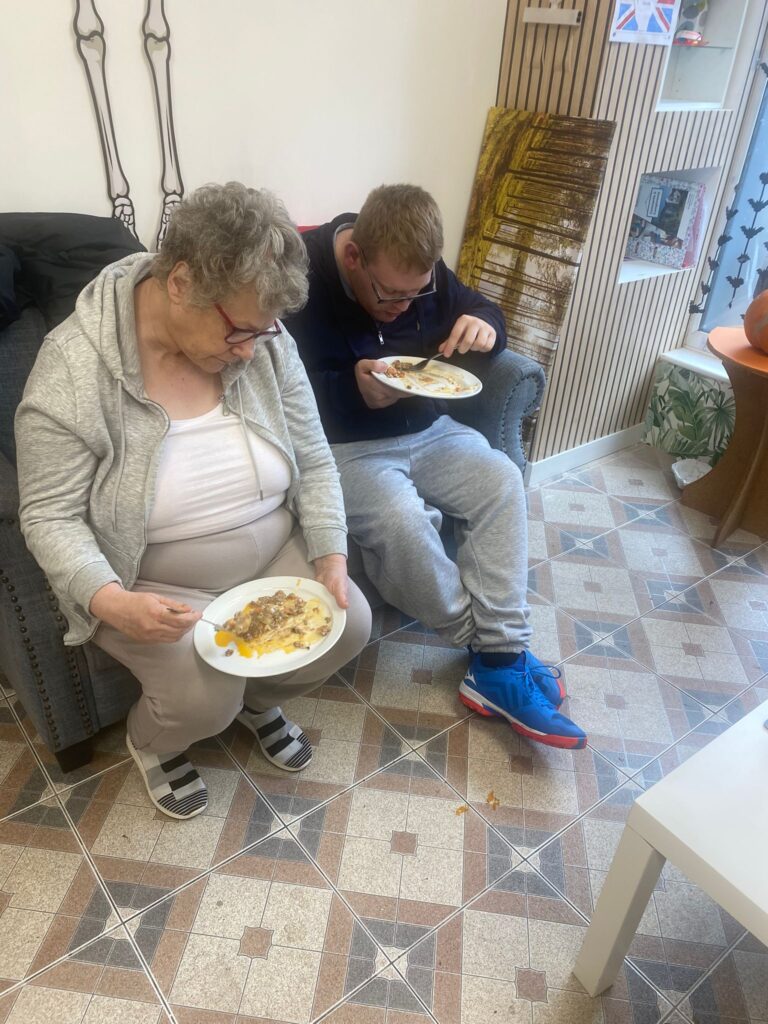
{"type": "Point", "coordinates": [710, 818]}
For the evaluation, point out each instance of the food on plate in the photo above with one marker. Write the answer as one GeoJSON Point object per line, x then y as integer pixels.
{"type": "Point", "coordinates": [276, 622]}
{"type": "Point", "coordinates": [440, 381]}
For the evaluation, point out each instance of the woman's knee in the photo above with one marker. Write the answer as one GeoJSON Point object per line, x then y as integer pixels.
{"type": "Point", "coordinates": [357, 631]}
{"type": "Point", "coordinates": [209, 705]}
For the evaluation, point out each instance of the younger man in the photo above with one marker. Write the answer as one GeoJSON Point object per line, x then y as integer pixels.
{"type": "Point", "coordinates": [378, 287]}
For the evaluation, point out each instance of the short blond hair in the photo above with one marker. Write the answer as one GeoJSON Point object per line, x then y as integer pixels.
{"type": "Point", "coordinates": [401, 222]}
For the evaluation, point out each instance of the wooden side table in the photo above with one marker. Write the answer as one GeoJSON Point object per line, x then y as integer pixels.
{"type": "Point", "coordinates": [736, 491]}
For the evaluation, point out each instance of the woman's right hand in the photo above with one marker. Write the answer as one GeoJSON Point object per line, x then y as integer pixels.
{"type": "Point", "coordinates": [148, 618]}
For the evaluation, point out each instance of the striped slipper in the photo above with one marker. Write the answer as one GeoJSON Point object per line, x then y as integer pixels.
{"type": "Point", "coordinates": [172, 783]}
{"type": "Point", "coordinates": [283, 743]}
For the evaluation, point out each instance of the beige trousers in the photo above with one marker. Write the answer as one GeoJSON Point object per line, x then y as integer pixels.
{"type": "Point", "coordinates": [183, 698]}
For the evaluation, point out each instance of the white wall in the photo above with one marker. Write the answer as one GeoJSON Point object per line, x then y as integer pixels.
{"type": "Point", "coordinates": [318, 99]}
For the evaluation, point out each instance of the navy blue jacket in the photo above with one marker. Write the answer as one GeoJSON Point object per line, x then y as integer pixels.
{"type": "Point", "coordinates": [333, 332]}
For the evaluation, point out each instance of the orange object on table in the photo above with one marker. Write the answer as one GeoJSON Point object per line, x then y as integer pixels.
{"type": "Point", "coordinates": [736, 490]}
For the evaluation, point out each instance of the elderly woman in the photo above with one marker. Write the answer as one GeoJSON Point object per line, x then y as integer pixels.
{"type": "Point", "coordinates": [169, 448]}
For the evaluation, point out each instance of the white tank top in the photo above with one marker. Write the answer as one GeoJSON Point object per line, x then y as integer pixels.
{"type": "Point", "coordinates": [206, 481]}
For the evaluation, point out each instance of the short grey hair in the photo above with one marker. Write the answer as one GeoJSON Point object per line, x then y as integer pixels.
{"type": "Point", "coordinates": [232, 237]}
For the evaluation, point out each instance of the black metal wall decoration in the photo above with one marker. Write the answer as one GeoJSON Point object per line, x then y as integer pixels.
{"type": "Point", "coordinates": [92, 47]}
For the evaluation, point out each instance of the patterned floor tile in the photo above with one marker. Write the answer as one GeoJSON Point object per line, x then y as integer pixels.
{"type": "Point", "coordinates": [701, 527]}
{"type": "Point", "coordinates": [352, 1011]}
{"type": "Point", "coordinates": [386, 620]}
{"type": "Point", "coordinates": [736, 992]}
{"type": "Point", "coordinates": [103, 983]}
{"type": "Point", "coordinates": [682, 933]}
{"type": "Point", "coordinates": [50, 899]}
{"type": "Point", "coordinates": [412, 680]}
{"type": "Point", "coordinates": [614, 578]}
{"type": "Point", "coordinates": [737, 597]}
{"type": "Point", "coordinates": [404, 851]}
{"type": "Point", "coordinates": [747, 701]}
{"type": "Point", "coordinates": [572, 507]}
{"type": "Point", "coordinates": [526, 790]}
{"type": "Point", "coordinates": [108, 750]}
{"type": "Point", "coordinates": [640, 477]}
{"type": "Point", "coordinates": [21, 780]}
{"type": "Point", "coordinates": [545, 540]}
{"type": "Point", "coordinates": [140, 853]}
{"type": "Point", "coordinates": [263, 938]}
{"type": "Point", "coordinates": [508, 957]}
{"type": "Point", "coordinates": [653, 771]}
{"type": "Point", "coordinates": [758, 559]}
{"type": "Point", "coordinates": [692, 649]}
{"type": "Point", "coordinates": [350, 742]}
{"type": "Point", "coordinates": [630, 715]}
{"type": "Point", "coordinates": [556, 635]}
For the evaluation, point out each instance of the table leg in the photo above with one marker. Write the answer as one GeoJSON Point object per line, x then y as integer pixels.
{"type": "Point", "coordinates": [633, 874]}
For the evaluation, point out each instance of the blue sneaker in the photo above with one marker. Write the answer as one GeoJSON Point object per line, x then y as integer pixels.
{"type": "Point", "coordinates": [547, 678]}
{"type": "Point", "coordinates": [514, 694]}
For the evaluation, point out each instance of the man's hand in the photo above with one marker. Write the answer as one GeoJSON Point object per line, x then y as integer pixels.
{"type": "Point", "coordinates": [469, 334]}
{"type": "Point", "coordinates": [331, 571]}
{"type": "Point", "coordinates": [148, 618]}
{"type": "Point", "coordinates": [375, 394]}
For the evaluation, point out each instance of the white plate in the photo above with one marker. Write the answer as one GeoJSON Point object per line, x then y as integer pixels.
{"type": "Point", "coordinates": [233, 601]}
{"type": "Point", "coordinates": [443, 372]}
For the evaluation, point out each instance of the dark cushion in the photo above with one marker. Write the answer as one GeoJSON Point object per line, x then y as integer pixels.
{"type": "Point", "coordinates": [59, 253]}
{"type": "Point", "coordinates": [19, 345]}
{"type": "Point", "coordinates": [9, 304]}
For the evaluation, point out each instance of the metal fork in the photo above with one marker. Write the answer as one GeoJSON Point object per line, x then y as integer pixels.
{"type": "Point", "coordinates": [423, 363]}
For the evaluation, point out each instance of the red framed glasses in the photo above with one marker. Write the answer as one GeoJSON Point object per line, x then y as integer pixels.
{"type": "Point", "coordinates": [239, 335]}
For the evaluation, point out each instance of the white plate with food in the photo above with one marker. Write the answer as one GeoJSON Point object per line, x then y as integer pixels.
{"type": "Point", "coordinates": [440, 379]}
{"type": "Point", "coordinates": [269, 626]}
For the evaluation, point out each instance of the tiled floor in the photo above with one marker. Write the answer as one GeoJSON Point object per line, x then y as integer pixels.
{"type": "Point", "coordinates": [429, 865]}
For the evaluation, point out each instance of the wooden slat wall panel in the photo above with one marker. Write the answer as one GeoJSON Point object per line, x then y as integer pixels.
{"type": "Point", "coordinates": [614, 333]}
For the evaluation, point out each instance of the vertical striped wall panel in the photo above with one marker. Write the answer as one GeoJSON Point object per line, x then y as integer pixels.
{"type": "Point", "coordinates": [614, 332]}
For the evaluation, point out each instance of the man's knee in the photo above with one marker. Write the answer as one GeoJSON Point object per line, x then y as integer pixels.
{"type": "Point", "coordinates": [502, 477]}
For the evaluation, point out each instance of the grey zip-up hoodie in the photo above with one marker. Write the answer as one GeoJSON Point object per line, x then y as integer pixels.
{"type": "Point", "coordinates": [89, 442]}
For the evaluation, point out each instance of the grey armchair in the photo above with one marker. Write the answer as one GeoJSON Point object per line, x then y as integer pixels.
{"type": "Point", "coordinates": [72, 693]}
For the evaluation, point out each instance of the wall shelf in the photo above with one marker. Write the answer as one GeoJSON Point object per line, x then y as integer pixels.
{"type": "Point", "coordinates": [697, 77]}
{"type": "Point", "coordinates": [642, 270]}
{"type": "Point", "coordinates": [669, 221]}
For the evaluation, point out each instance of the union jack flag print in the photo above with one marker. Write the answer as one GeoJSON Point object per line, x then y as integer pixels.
{"type": "Point", "coordinates": [644, 21]}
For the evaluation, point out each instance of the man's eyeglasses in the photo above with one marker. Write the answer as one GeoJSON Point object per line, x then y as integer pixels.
{"type": "Point", "coordinates": [239, 335]}
{"type": "Point", "coordinates": [429, 288]}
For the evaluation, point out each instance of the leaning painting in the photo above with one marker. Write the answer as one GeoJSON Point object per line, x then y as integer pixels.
{"type": "Point", "coordinates": [532, 204]}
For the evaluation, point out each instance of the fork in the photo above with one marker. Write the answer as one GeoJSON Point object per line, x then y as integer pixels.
{"type": "Point", "coordinates": [216, 625]}
{"type": "Point", "coordinates": [422, 363]}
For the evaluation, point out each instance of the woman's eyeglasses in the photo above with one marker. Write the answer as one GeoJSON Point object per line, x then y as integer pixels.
{"type": "Point", "coordinates": [239, 335]}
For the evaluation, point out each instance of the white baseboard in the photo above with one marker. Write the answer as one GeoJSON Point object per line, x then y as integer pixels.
{"type": "Point", "coordinates": [545, 469]}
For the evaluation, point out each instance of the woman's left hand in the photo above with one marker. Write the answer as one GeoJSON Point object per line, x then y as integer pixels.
{"type": "Point", "coordinates": [331, 571]}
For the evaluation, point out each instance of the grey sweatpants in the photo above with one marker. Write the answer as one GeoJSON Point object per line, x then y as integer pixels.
{"type": "Point", "coordinates": [395, 491]}
{"type": "Point", "coordinates": [183, 698]}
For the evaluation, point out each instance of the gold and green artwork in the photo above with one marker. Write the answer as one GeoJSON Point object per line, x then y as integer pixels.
{"type": "Point", "coordinates": [532, 205]}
